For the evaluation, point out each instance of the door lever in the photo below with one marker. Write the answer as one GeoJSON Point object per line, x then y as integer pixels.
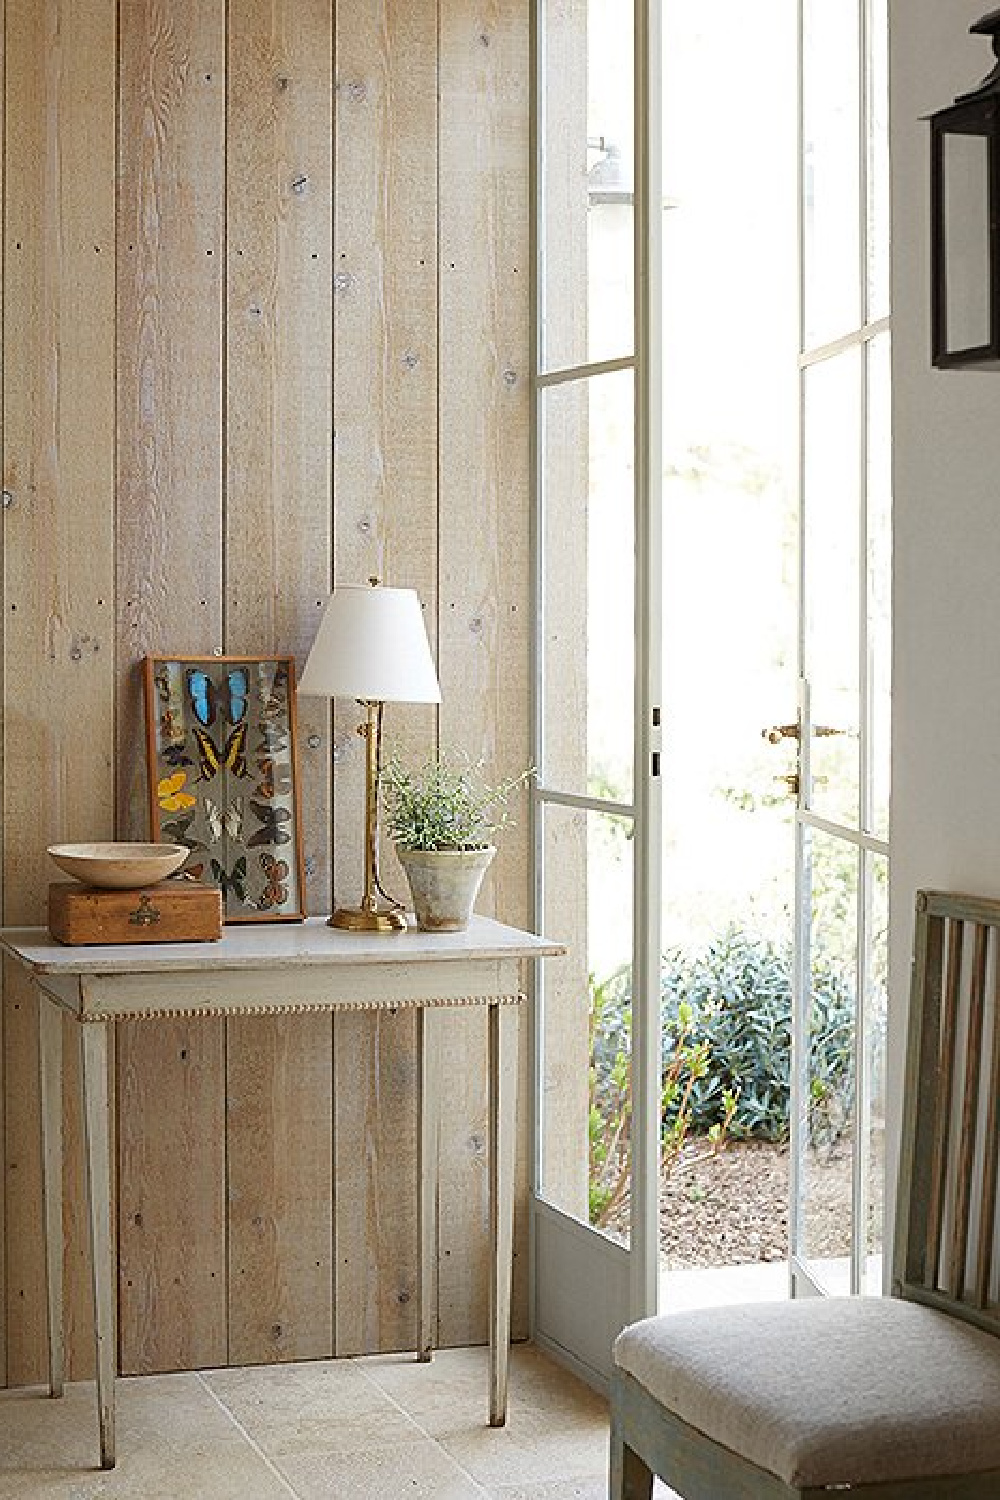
{"type": "Point", "coordinates": [779, 732]}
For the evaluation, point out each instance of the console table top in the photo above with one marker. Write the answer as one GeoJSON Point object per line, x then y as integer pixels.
{"type": "Point", "coordinates": [276, 945]}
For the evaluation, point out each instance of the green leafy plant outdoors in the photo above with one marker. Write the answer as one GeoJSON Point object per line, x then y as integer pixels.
{"type": "Point", "coordinates": [726, 1055]}
{"type": "Point", "coordinates": [446, 804]}
{"type": "Point", "coordinates": [610, 1120]}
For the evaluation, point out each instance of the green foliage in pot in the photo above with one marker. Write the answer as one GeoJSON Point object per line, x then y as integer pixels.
{"type": "Point", "coordinates": [446, 804]}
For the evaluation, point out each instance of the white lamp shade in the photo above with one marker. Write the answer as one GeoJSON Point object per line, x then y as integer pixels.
{"type": "Point", "coordinates": [372, 645]}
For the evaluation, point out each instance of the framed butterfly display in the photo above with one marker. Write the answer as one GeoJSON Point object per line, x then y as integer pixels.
{"type": "Point", "coordinates": [222, 756]}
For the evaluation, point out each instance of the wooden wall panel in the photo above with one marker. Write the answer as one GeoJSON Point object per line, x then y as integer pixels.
{"type": "Point", "coordinates": [171, 237]}
{"type": "Point", "coordinates": [172, 1226]}
{"type": "Point", "coordinates": [385, 493]}
{"type": "Point", "coordinates": [278, 549]}
{"type": "Point", "coordinates": [484, 626]}
{"type": "Point", "coordinates": [58, 461]}
{"type": "Point", "coordinates": [233, 384]}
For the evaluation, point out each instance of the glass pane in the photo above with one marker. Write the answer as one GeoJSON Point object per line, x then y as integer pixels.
{"type": "Point", "coordinates": [588, 461]}
{"type": "Point", "coordinates": [878, 160]}
{"type": "Point", "coordinates": [832, 206]}
{"type": "Point", "coordinates": [826, 1161]}
{"type": "Point", "coordinates": [587, 1018]}
{"type": "Point", "coordinates": [879, 580]}
{"type": "Point", "coordinates": [831, 501]}
{"type": "Point", "coordinates": [730, 274]}
{"type": "Point", "coordinates": [967, 240]}
{"type": "Point", "coordinates": [876, 1005]}
{"type": "Point", "coordinates": [587, 182]}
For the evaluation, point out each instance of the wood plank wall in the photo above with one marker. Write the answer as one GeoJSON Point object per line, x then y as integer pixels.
{"type": "Point", "coordinates": [265, 324]}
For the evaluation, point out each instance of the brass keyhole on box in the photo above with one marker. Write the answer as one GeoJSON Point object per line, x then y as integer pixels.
{"type": "Point", "coordinates": [145, 914]}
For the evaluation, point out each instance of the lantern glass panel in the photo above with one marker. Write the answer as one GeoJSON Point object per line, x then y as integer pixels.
{"type": "Point", "coordinates": [967, 240]}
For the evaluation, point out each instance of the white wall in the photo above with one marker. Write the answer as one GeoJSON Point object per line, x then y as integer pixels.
{"type": "Point", "coordinates": [946, 684]}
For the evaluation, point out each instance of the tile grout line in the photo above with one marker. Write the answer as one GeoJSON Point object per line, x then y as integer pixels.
{"type": "Point", "coordinates": [268, 1463]}
{"type": "Point", "coordinates": [422, 1429]}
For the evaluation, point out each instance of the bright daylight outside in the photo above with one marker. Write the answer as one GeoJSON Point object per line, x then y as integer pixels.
{"type": "Point", "coordinates": [741, 412]}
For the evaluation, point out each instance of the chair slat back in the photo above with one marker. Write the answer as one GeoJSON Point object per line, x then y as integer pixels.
{"type": "Point", "coordinates": [946, 1221]}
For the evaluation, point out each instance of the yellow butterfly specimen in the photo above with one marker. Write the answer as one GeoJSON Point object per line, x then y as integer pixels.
{"type": "Point", "coordinates": [231, 757]}
{"type": "Point", "coordinates": [172, 797]}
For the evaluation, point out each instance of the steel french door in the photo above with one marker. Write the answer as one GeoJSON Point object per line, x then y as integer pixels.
{"type": "Point", "coordinates": [842, 730]}
{"type": "Point", "coordinates": [596, 655]}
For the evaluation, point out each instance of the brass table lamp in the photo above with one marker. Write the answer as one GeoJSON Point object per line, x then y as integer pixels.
{"type": "Point", "coordinates": [371, 645]}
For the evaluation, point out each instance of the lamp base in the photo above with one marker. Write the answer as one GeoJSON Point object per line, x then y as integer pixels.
{"type": "Point", "coordinates": [356, 919]}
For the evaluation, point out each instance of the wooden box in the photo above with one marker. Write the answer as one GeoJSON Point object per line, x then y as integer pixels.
{"type": "Point", "coordinates": [175, 911]}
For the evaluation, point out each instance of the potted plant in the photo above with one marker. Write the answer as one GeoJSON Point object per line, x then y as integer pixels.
{"type": "Point", "coordinates": [443, 818]}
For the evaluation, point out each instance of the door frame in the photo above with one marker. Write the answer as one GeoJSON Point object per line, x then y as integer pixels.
{"type": "Point", "coordinates": [568, 1257]}
{"type": "Point", "coordinates": [802, 1281]}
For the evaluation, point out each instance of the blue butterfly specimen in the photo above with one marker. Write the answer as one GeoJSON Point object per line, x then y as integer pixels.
{"type": "Point", "coordinates": [271, 819]}
{"type": "Point", "coordinates": [235, 880]}
{"type": "Point", "coordinates": [205, 694]}
{"type": "Point", "coordinates": [238, 688]}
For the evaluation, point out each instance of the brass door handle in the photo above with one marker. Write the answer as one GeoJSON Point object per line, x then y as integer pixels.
{"type": "Point", "coordinates": [779, 732]}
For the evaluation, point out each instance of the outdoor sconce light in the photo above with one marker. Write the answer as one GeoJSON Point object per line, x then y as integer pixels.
{"type": "Point", "coordinates": [965, 222]}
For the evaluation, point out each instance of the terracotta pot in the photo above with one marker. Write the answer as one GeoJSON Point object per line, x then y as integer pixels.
{"type": "Point", "coordinates": [444, 884]}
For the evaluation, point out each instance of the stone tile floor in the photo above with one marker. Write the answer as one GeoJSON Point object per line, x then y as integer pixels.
{"type": "Point", "coordinates": [379, 1428]}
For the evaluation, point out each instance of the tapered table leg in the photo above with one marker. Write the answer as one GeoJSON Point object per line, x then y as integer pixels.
{"type": "Point", "coordinates": [503, 1142]}
{"type": "Point", "coordinates": [50, 1039]}
{"type": "Point", "coordinates": [430, 1116]}
{"type": "Point", "coordinates": [94, 1052]}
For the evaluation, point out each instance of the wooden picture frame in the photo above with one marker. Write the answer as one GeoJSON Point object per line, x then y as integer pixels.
{"type": "Point", "coordinates": [223, 768]}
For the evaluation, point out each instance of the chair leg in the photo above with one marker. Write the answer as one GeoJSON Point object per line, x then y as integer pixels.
{"type": "Point", "coordinates": [630, 1478]}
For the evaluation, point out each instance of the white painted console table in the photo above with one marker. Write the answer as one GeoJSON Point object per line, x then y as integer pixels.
{"type": "Point", "coordinates": [321, 969]}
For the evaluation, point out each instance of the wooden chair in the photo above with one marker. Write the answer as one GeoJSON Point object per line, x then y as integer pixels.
{"type": "Point", "coordinates": [897, 1398]}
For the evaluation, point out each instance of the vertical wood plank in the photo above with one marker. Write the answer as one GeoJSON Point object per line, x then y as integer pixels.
{"type": "Point", "coordinates": [376, 1176]}
{"type": "Point", "coordinates": [170, 387]}
{"type": "Point", "coordinates": [59, 433]}
{"type": "Point", "coordinates": [945, 1086]}
{"type": "Point", "coordinates": [278, 538]}
{"type": "Point", "coordinates": [385, 505]}
{"type": "Point", "coordinates": [991, 1133]}
{"type": "Point", "coordinates": [170, 572]}
{"type": "Point", "coordinates": [278, 557]}
{"type": "Point", "coordinates": [171, 1198]}
{"type": "Point", "coordinates": [483, 654]}
{"type": "Point", "coordinates": [279, 1110]}
{"type": "Point", "coordinates": [970, 1109]}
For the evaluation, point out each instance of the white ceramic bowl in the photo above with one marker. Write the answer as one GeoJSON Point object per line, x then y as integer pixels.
{"type": "Point", "coordinates": [120, 867]}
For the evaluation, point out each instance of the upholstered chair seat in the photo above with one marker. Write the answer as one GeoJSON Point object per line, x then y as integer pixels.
{"type": "Point", "coordinates": [827, 1392]}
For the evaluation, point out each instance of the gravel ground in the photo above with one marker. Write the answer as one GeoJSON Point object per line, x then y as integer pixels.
{"type": "Point", "coordinates": [731, 1207]}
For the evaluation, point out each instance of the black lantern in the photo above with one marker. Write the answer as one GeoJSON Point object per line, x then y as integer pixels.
{"type": "Point", "coordinates": [965, 223]}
